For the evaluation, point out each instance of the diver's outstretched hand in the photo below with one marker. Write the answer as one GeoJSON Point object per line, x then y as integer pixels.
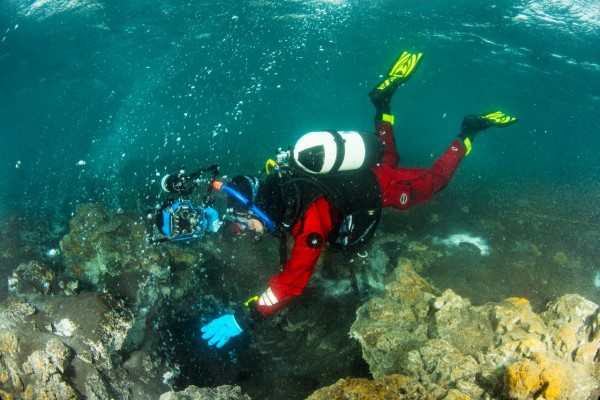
{"type": "Point", "coordinates": [220, 330]}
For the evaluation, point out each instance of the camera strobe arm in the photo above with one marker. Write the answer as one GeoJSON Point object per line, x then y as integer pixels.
{"type": "Point", "coordinates": [182, 184]}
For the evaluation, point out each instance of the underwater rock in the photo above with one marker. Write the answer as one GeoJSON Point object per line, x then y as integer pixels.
{"type": "Point", "coordinates": [100, 245]}
{"type": "Point", "coordinates": [499, 349]}
{"type": "Point", "coordinates": [68, 346]}
{"type": "Point", "coordinates": [394, 386]}
{"type": "Point", "coordinates": [382, 323]}
{"type": "Point", "coordinates": [110, 252]}
{"type": "Point", "coordinates": [91, 326]}
{"type": "Point", "coordinates": [225, 392]}
{"type": "Point", "coordinates": [31, 276]}
{"type": "Point", "coordinates": [560, 258]}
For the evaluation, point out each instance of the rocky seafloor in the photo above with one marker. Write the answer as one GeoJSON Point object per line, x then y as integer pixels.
{"type": "Point", "coordinates": [108, 315]}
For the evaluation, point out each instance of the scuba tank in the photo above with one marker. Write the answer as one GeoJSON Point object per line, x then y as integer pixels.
{"type": "Point", "coordinates": [332, 151]}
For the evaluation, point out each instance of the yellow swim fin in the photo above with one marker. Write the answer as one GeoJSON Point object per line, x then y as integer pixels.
{"type": "Point", "coordinates": [498, 119]}
{"type": "Point", "coordinates": [402, 70]}
{"type": "Point", "coordinates": [476, 123]}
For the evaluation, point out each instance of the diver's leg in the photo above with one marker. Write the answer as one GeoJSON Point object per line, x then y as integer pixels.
{"type": "Point", "coordinates": [401, 71]}
{"type": "Point", "coordinates": [406, 187]}
{"type": "Point", "coordinates": [473, 124]}
{"type": "Point", "coordinates": [385, 129]}
{"type": "Point", "coordinates": [381, 97]}
{"type": "Point", "coordinates": [443, 169]}
{"type": "Point", "coordinates": [403, 188]}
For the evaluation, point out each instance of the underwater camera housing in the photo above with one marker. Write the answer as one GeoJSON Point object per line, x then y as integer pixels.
{"type": "Point", "coordinates": [181, 221]}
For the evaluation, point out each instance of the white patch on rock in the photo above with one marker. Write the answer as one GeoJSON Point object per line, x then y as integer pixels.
{"type": "Point", "coordinates": [459, 238]}
{"type": "Point", "coordinates": [65, 327]}
{"type": "Point", "coordinates": [597, 279]}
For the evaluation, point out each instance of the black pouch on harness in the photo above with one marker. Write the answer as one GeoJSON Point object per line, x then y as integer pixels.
{"type": "Point", "coordinates": [357, 197]}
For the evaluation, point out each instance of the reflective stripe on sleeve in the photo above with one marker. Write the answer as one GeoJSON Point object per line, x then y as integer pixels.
{"type": "Point", "coordinates": [267, 298]}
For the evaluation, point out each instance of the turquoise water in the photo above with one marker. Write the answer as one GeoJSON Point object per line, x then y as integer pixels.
{"type": "Point", "coordinates": [99, 99]}
{"type": "Point", "coordinates": [138, 88]}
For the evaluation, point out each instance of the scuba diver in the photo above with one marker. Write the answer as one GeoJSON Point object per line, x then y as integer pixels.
{"type": "Point", "coordinates": [330, 189]}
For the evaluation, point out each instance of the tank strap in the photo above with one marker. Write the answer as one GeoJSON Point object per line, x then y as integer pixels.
{"type": "Point", "coordinates": [341, 150]}
{"type": "Point", "coordinates": [283, 258]}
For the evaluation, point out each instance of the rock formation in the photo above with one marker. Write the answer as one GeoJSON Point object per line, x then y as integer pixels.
{"type": "Point", "coordinates": [496, 350]}
{"type": "Point", "coordinates": [85, 327]}
{"type": "Point", "coordinates": [225, 392]}
{"type": "Point", "coordinates": [62, 345]}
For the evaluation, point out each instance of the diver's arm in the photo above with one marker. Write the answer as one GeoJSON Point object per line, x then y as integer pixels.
{"type": "Point", "coordinates": [309, 234]}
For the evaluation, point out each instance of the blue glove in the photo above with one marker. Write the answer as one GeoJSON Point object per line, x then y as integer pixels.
{"type": "Point", "coordinates": [220, 330]}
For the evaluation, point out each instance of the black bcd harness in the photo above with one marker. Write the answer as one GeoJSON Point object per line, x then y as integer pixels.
{"type": "Point", "coordinates": [354, 196]}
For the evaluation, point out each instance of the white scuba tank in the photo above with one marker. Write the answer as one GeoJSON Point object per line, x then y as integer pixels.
{"type": "Point", "coordinates": [332, 151]}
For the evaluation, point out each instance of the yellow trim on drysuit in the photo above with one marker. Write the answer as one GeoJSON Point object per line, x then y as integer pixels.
{"type": "Point", "coordinates": [388, 118]}
{"type": "Point", "coordinates": [468, 145]}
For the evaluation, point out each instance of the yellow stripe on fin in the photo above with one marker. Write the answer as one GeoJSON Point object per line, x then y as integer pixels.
{"type": "Point", "coordinates": [402, 70]}
{"type": "Point", "coordinates": [498, 117]}
{"type": "Point", "coordinates": [405, 65]}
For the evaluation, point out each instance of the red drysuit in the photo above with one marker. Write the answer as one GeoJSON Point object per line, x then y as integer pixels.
{"type": "Point", "coordinates": [401, 188]}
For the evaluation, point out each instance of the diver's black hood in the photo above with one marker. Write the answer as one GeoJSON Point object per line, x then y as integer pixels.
{"type": "Point", "coordinates": [266, 195]}
{"type": "Point", "coordinates": [272, 200]}
{"type": "Point", "coordinates": [247, 186]}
